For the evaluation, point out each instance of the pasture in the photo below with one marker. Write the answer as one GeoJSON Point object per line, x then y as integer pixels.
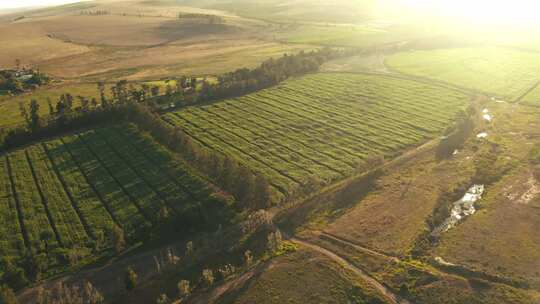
{"type": "Point", "coordinates": [506, 73]}
{"type": "Point", "coordinates": [68, 192]}
{"type": "Point", "coordinates": [137, 41]}
{"type": "Point", "coordinates": [317, 129]}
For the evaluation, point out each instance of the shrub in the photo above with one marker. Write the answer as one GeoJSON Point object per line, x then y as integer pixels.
{"type": "Point", "coordinates": [208, 277]}
{"type": "Point", "coordinates": [130, 279]}
{"type": "Point", "coordinates": [7, 296]}
{"type": "Point", "coordinates": [184, 288]}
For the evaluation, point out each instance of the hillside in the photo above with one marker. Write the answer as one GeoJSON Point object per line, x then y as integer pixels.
{"type": "Point", "coordinates": [269, 151]}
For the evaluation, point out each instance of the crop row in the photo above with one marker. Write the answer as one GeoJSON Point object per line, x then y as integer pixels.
{"type": "Point", "coordinates": [320, 127]}
{"type": "Point", "coordinates": [68, 191]}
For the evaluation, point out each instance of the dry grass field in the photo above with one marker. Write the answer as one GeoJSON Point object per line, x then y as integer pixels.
{"type": "Point", "coordinates": [304, 276]}
{"type": "Point", "coordinates": [135, 40]}
{"type": "Point", "coordinates": [31, 44]}
{"type": "Point", "coordinates": [502, 237]}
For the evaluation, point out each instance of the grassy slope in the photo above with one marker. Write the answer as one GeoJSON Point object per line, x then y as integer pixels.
{"type": "Point", "coordinates": [503, 72]}
{"type": "Point", "coordinates": [300, 277]}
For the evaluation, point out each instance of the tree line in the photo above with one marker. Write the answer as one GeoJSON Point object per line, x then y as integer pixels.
{"type": "Point", "coordinates": [269, 73]}
{"type": "Point", "coordinates": [140, 105]}
{"type": "Point", "coordinates": [457, 134]}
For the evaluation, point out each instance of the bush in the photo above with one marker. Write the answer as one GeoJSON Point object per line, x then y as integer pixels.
{"type": "Point", "coordinates": [457, 134]}
{"type": "Point", "coordinates": [7, 296]}
{"type": "Point", "coordinates": [130, 279]}
{"type": "Point", "coordinates": [208, 277]}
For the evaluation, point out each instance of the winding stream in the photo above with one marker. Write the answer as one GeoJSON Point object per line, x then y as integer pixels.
{"type": "Point", "coordinates": [461, 209]}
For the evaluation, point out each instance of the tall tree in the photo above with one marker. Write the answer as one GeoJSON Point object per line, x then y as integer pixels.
{"type": "Point", "coordinates": [155, 91]}
{"type": "Point", "coordinates": [118, 239]}
{"type": "Point", "coordinates": [131, 279]}
{"type": "Point", "coordinates": [51, 108]}
{"type": "Point", "coordinates": [101, 89]}
{"type": "Point", "coordinates": [24, 113]}
{"type": "Point", "coordinates": [34, 116]}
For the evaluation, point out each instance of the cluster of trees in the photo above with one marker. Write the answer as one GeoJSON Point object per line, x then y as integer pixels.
{"type": "Point", "coordinates": [16, 82]}
{"type": "Point", "coordinates": [59, 294]}
{"type": "Point", "coordinates": [210, 19]}
{"type": "Point", "coordinates": [140, 104]}
{"type": "Point", "coordinates": [269, 73]}
{"type": "Point", "coordinates": [457, 134]}
{"type": "Point", "coordinates": [250, 190]}
{"type": "Point", "coordinates": [33, 265]}
{"type": "Point", "coordinates": [95, 13]}
{"type": "Point", "coordinates": [208, 276]}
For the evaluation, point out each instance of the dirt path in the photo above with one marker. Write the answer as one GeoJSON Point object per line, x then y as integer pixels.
{"type": "Point", "coordinates": [358, 247]}
{"type": "Point", "coordinates": [387, 293]}
{"type": "Point", "coordinates": [520, 98]}
{"type": "Point", "coordinates": [230, 285]}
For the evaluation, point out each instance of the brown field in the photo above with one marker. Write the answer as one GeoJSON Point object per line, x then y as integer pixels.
{"type": "Point", "coordinates": [304, 276]}
{"type": "Point", "coordinates": [210, 57]}
{"type": "Point", "coordinates": [390, 218]}
{"type": "Point", "coordinates": [138, 40]}
{"type": "Point", "coordinates": [30, 43]}
{"type": "Point", "coordinates": [502, 238]}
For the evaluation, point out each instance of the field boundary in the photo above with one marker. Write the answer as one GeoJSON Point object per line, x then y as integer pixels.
{"type": "Point", "coordinates": [44, 201]}
{"type": "Point", "coordinates": [133, 169]}
{"type": "Point", "coordinates": [150, 160]}
{"type": "Point", "coordinates": [529, 91]}
{"type": "Point", "coordinates": [120, 185]}
{"type": "Point", "coordinates": [90, 184]}
{"type": "Point", "coordinates": [20, 215]}
{"type": "Point", "coordinates": [426, 80]}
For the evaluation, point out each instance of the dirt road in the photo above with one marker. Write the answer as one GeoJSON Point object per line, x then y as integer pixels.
{"type": "Point", "coordinates": [388, 294]}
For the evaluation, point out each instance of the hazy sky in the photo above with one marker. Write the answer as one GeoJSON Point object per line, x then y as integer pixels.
{"type": "Point", "coordinates": [25, 3]}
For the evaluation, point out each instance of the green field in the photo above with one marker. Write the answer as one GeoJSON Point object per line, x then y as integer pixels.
{"type": "Point", "coordinates": [506, 73]}
{"type": "Point", "coordinates": [347, 35]}
{"type": "Point", "coordinates": [320, 128]}
{"type": "Point", "coordinates": [75, 188]}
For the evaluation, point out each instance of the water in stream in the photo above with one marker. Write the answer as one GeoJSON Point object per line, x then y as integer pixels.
{"type": "Point", "coordinates": [461, 209]}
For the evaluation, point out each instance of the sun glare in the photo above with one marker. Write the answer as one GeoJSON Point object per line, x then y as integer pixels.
{"type": "Point", "coordinates": [486, 12]}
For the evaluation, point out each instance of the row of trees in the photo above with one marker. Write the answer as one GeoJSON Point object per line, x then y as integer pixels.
{"type": "Point", "coordinates": [210, 19]}
{"type": "Point", "coordinates": [264, 236]}
{"type": "Point", "coordinates": [59, 294]}
{"type": "Point", "coordinates": [250, 190]}
{"type": "Point", "coordinates": [138, 104]}
{"type": "Point", "coordinates": [95, 13]}
{"type": "Point", "coordinates": [269, 73]}
{"type": "Point", "coordinates": [457, 134]}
